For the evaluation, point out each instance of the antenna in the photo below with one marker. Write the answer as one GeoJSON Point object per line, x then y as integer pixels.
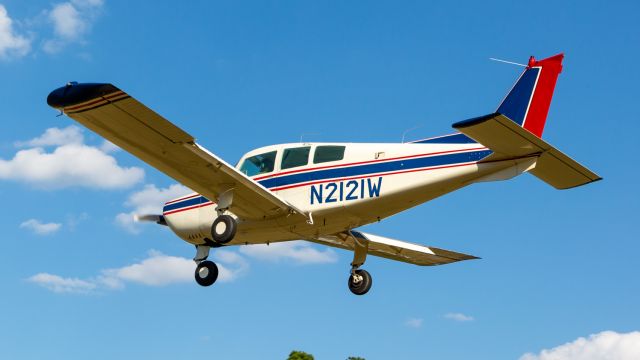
{"type": "Point", "coordinates": [311, 133]}
{"type": "Point", "coordinates": [409, 130]}
{"type": "Point", "coordinates": [508, 62]}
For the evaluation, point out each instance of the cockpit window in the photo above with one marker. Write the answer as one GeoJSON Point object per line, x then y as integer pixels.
{"type": "Point", "coordinates": [328, 153]}
{"type": "Point", "coordinates": [295, 157]}
{"type": "Point", "coordinates": [259, 164]}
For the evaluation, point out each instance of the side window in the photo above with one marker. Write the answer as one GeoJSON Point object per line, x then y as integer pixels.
{"type": "Point", "coordinates": [259, 164]}
{"type": "Point", "coordinates": [295, 157]}
{"type": "Point", "coordinates": [328, 153]}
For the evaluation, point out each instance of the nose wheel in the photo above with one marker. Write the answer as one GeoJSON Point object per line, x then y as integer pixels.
{"type": "Point", "coordinates": [206, 273]}
{"type": "Point", "coordinates": [360, 282]}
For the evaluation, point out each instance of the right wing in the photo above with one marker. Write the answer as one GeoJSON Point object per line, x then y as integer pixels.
{"type": "Point", "coordinates": [393, 249]}
{"type": "Point", "coordinates": [126, 122]}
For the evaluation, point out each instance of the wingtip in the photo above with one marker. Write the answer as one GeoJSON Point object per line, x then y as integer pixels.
{"type": "Point", "coordinates": [73, 93]}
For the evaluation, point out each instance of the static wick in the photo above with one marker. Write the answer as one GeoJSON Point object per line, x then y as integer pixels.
{"type": "Point", "coordinates": [508, 62]}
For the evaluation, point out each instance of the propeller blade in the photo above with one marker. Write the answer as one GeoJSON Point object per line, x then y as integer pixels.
{"type": "Point", "coordinates": [158, 219]}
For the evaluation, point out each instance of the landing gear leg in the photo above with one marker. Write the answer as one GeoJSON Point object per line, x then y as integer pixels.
{"type": "Point", "coordinates": [359, 280]}
{"type": "Point", "coordinates": [207, 271]}
{"type": "Point", "coordinates": [224, 226]}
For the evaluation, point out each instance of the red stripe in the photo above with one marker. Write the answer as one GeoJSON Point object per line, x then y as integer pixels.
{"type": "Point", "coordinates": [369, 176]}
{"type": "Point", "coordinates": [536, 118]}
{"type": "Point", "coordinates": [182, 198]}
{"type": "Point", "coordinates": [366, 162]}
{"type": "Point", "coordinates": [187, 208]}
{"type": "Point", "coordinates": [104, 98]}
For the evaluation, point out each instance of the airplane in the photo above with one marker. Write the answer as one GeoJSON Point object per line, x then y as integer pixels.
{"type": "Point", "coordinates": [323, 192]}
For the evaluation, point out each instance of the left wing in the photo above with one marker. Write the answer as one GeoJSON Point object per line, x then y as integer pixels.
{"type": "Point", "coordinates": [394, 249]}
{"type": "Point", "coordinates": [126, 122]}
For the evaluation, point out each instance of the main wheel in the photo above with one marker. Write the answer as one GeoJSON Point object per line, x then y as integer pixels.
{"type": "Point", "coordinates": [206, 273]}
{"type": "Point", "coordinates": [360, 283]}
{"type": "Point", "coordinates": [223, 229]}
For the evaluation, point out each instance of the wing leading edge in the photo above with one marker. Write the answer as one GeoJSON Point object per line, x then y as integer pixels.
{"type": "Point", "coordinates": [118, 117]}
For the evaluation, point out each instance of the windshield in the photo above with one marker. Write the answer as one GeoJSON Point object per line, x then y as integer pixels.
{"type": "Point", "coordinates": [259, 164]}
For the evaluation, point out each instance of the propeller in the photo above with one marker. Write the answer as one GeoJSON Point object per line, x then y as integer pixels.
{"type": "Point", "coordinates": [158, 219]}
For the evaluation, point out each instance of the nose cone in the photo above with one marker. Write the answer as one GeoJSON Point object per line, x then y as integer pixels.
{"type": "Point", "coordinates": [74, 93]}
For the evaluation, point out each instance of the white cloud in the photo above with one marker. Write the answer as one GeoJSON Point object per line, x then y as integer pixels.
{"type": "Point", "coordinates": [414, 323]}
{"type": "Point", "coordinates": [70, 163]}
{"type": "Point", "coordinates": [59, 284]}
{"type": "Point", "coordinates": [67, 21]}
{"type": "Point", "coordinates": [55, 137]}
{"type": "Point", "coordinates": [39, 227]}
{"type": "Point", "coordinates": [109, 147]}
{"type": "Point", "coordinates": [149, 200]}
{"type": "Point", "coordinates": [299, 251]}
{"type": "Point", "coordinates": [235, 267]}
{"type": "Point", "coordinates": [607, 345]}
{"type": "Point", "coordinates": [11, 44]}
{"type": "Point", "coordinates": [157, 269]}
{"type": "Point", "coordinates": [458, 317]}
{"type": "Point", "coordinates": [71, 20]}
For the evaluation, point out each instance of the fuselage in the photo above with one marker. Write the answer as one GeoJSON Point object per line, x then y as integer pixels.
{"type": "Point", "coordinates": [341, 185]}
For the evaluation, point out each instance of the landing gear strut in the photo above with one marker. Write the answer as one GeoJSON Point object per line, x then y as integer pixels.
{"type": "Point", "coordinates": [359, 280]}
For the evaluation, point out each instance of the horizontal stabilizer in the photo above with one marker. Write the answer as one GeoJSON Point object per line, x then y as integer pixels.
{"type": "Point", "coordinates": [394, 249]}
{"type": "Point", "coordinates": [510, 141]}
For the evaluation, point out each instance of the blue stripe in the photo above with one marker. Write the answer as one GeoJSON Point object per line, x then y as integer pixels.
{"type": "Point", "coordinates": [185, 203]}
{"type": "Point", "coordinates": [516, 103]}
{"type": "Point", "coordinates": [398, 165]}
{"type": "Point", "coordinates": [448, 139]}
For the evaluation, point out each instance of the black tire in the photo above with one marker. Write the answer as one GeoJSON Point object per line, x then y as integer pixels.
{"type": "Point", "coordinates": [362, 287]}
{"type": "Point", "coordinates": [206, 273]}
{"type": "Point", "coordinates": [223, 229]}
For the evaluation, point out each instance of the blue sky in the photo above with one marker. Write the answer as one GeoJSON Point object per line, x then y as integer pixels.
{"type": "Point", "coordinates": [556, 265]}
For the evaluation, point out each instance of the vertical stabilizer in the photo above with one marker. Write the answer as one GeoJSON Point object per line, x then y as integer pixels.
{"type": "Point", "coordinates": [527, 104]}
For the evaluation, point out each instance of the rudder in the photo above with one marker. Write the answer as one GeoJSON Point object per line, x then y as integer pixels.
{"type": "Point", "coordinates": [527, 104]}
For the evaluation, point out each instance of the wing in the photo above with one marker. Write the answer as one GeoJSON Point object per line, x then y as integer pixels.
{"type": "Point", "coordinates": [137, 129]}
{"type": "Point", "coordinates": [394, 249]}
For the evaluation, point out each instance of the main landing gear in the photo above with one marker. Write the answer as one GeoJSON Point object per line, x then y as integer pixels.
{"type": "Point", "coordinates": [359, 280]}
{"type": "Point", "coordinates": [223, 229]}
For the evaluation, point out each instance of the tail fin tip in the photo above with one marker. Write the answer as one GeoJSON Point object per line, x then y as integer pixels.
{"type": "Point", "coordinates": [527, 104]}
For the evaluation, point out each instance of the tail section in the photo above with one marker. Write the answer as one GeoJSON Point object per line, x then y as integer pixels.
{"type": "Point", "coordinates": [527, 104]}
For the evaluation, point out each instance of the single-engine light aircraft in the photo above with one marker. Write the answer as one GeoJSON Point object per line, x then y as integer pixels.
{"type": "Point", "coordinates": [322, 192]}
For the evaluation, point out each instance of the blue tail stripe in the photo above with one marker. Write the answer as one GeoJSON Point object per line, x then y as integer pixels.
{"type": "Point", "coordinates": [516, 103]}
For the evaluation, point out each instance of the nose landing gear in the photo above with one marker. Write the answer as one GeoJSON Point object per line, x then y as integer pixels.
{"type": "Point", "coordinates": [206, 273]}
